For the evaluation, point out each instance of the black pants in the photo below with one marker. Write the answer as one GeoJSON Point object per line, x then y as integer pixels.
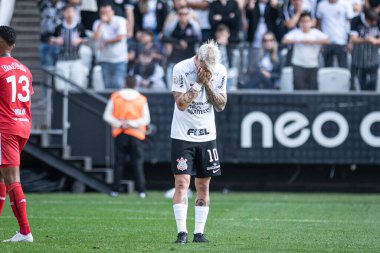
{"type": "Point", "coordinates": [305, 78]}
{"type": "Point", "coordinates": [367, 77]}
{"type": "Point", "coordinates": [329, 51]}
{"type": "Point", "coordinates": [129, 145]}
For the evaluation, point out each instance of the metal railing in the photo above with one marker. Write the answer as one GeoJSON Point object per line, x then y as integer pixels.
{"type": "Point", "coordinates": [66, 100]}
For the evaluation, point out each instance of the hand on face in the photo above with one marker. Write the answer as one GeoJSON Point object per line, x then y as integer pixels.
{"type": "Point", "coordinates": [203, 76]}
{"type": "Point", "coordinates": [104, 17]}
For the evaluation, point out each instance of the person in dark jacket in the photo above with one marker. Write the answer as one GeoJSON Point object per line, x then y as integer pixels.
{"type": "Point", "coordinates": [181, 36]}
{"type": "Point", "coordinates": [226, 12]}
{"type": "Point", "coordinates": [262, 16]}
{"type": "Point", "coordinates": [157, 9]}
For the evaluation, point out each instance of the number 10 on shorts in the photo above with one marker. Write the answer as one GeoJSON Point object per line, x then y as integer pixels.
{"type": "Point", "coordinates": [213, 155]}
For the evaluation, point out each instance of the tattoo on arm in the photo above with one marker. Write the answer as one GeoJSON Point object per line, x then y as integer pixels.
{"type": "Point", "coordinates": [183, 100]}
{"type": "Point", "coordinates": [218, 100]}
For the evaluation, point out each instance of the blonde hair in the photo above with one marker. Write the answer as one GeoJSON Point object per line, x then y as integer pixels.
{"type": "Point", "coordinates": [274, 51]}
{"type": "Point", "coordinates": [209, 53]}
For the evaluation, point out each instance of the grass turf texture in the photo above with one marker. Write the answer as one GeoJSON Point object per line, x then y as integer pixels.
{"type": "Point", "coordinates": [238, 222]}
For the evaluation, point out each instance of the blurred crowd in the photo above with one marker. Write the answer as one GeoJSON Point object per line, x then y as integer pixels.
{"type": "Point", "coordinates": [97, 43]}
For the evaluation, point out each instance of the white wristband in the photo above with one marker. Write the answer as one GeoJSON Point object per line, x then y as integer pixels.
{"type": "Point", "coordinates": [197, 87]}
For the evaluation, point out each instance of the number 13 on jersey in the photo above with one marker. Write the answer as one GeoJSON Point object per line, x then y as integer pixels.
{"type": "Point", "coordinates": [24, 95]}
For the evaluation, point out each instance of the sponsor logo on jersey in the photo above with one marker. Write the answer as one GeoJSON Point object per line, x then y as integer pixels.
{"type": "Point", "coordinates": [222, 83]}
{"type": "Point", "coordinates": [190, 73]}
{"type": "Point", "coordinates": [215, 167]}
{"type": "Point", "coordinates": [181, 81]}
{"type": "Point", "coordinates": [175, 80]}
{"type": "Point", "coordinates": [182, 164]}
{"type": "Point", "coordinates": [197, 132]}
{"type": "Point", "coordinates": [19, 111]}
{"type": "Point", "coordinates": [199, 108]}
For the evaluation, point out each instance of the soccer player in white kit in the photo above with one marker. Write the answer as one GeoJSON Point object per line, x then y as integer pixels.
{"type": "Point", "coordinates": [199, 87]}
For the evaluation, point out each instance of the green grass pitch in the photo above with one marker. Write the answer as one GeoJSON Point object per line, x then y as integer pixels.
{"type": "Point", "coordinates": [238, 222]}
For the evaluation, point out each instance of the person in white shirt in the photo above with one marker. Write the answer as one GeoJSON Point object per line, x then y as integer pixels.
{"type": "Point", "coordinates": [110, 32]}
{"type": "Point", "coordinates": [199, 87]}
{"type": "Point", "coordinates": [307, 43]}
{"type": "Point", "coordinates": [201, 10]}
{"type": "Point", "coordinates": [333, 16]}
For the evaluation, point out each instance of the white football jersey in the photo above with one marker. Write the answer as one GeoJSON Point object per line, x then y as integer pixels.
{"type": "Point", "coordinates": [197, 122]}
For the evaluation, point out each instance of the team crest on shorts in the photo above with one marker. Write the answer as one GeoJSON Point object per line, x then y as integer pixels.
{"type": "Point", "coordinates": [182, 165]}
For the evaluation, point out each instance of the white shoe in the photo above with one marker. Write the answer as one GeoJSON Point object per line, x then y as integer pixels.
{"type": "Point", "coordinates": [114, 194]}
{"type": "Point", "coordinates": [20, 238]}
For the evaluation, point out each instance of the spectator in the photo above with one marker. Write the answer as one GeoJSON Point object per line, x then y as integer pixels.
{"type": "Point", "coordinates": [267, 71]}
{"type": "Point", "coordinates": [127, 111]}
{"type": "Point", "coordinates": [228, 59]}
{"type": "Point", "coordinates": [149, 74]}
{"type": "Point", "coordinates": [77, 4]}
{"type": "Point", "coordinates": [373, 4]}
{"type": "Point", "coordinates": [181, 36]}
{"type": "Point", "coordinates": [307, 43]}
{"type": "Point", "coordinates": [69, 36]}
{"type": "Point", "coordinates": [120, 7]}
{"type": "Point", "coordinates": [125, 8]}
{"type": "Point", "coordinates": [172, 15]}
{"type": "Point", "coordinates": [293, 10]}
{"type": "Point", "coordinates": [357, 6]}
{"type": "Point", "coordinates": [333, 16]}
{"type": "Point", "coordinates": [150, 14]}
{"type": "Point", "coordinates": [365, 37]}
{"type": "Point", "coordinates": [226, 12]}
{"type": "Point", "coordinates": [110, 32]}
{"type": "Point", "coordinates": [50, 15]}
{"type": "Point", "coordinates": [201, 9]}
{"type": "Point", "coordinates": [262, 16]}
{"type": "Point", "coordinates": [146, 42]}
{"type": "Point", "coordinates": [89, 13]}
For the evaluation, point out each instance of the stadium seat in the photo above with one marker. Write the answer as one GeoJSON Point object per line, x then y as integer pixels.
{"type": "Point", "coordinates": [286, 80]}
{"type": "Point", "coordinates": [97, 78]}
{"type": "Point", "coordinates": [334, 79]}
{"type": "Point", "coordinates": [85, 54]}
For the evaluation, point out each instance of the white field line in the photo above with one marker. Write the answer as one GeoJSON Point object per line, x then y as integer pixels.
{"type": "Point", "coordinates": [253, 220]}
{"type": "Point", "coordinates": [80, 202]}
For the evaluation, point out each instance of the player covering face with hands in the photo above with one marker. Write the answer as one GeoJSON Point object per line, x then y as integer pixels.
{"type": "Point", "coordinates": [199, 87]}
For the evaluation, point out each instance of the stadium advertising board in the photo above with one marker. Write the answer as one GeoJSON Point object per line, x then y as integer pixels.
{"type": "Point", "coordinates": [307, 128]}
{"type": "Point", "coordinates": [267, 128]}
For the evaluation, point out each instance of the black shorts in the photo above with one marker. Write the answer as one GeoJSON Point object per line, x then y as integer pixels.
{"type": "Point", "coordinates": [199, 159]}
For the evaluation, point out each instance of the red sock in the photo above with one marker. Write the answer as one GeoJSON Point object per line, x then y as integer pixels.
{"type": "Point", "coordinates": [18, 204]}
{"type": "Point", "coordinates": [3, 195]}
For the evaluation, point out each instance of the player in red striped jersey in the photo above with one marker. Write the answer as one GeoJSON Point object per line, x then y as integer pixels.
{"type": "Point", "coordinates": [15, 124]}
